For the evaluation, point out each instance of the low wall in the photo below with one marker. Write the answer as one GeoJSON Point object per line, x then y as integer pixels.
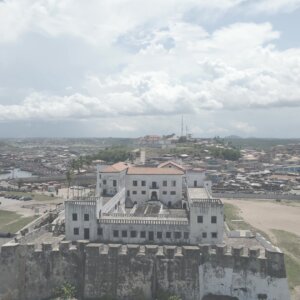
{"type": "Point", "coordinates": [132, 272]}
{"type": "Point", "coordinates": [256, 196]}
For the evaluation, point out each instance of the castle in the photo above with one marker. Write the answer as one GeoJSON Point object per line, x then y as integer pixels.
{"type": "Point", "coordinates": [147, 230]}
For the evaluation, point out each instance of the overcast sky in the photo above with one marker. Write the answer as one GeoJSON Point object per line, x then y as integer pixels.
{"type": "Point", "coordinates": [133, 67]}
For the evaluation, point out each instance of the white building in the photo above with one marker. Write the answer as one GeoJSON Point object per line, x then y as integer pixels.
{"type": "Point", "coordinates": [147, 205]}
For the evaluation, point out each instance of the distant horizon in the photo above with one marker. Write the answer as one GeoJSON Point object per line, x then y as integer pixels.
{"type": "Point", "coordinates": [228, 67]}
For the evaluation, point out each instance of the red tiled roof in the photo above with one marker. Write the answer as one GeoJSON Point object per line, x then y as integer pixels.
{"type": "Point", "coordinates": [115, 168]}
{"type": "Point", "coordinates": [154, 171]}
{"type": "Point", "coordinates": [165, 164]}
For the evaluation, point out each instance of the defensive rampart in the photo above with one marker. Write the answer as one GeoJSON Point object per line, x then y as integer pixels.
{"type": "Point", "coordinates": [141, 271]}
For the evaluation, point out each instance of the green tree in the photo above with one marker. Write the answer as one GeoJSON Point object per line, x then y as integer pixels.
{"type": "Point", "coordinates": [66, 291]}
{"type": "Point", "coordinates": [69, 178]}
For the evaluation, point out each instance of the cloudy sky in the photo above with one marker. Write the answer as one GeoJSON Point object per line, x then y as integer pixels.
{"type": "Point", "coordinates": [134, 67]}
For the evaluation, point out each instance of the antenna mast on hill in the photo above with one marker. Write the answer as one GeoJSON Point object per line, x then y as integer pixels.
{"type": "Point", "coordinates": [181, 125]}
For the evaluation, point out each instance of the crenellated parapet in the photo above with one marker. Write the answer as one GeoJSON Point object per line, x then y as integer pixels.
{"type": "Point", "coordinates": [97, 268]}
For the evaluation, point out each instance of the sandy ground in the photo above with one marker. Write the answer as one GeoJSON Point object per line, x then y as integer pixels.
{"type": "Point", "coordinates": [267, 215]}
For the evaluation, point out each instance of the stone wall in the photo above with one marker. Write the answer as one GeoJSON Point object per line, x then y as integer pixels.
{"type": "Point", "coordinates": [124, 271]}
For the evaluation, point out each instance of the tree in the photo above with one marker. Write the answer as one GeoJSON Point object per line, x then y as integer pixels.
{"type": "Point", "coordinates": [69, 177]}
{"type": "Point", "coordinates": [66, 291]}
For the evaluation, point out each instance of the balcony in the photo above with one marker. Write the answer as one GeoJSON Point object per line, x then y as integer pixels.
{"type": "Point", "coordinates": [154, 187]}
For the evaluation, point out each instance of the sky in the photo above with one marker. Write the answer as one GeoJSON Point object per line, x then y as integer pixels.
{"type": "Point", "coordinates": [127, 68]}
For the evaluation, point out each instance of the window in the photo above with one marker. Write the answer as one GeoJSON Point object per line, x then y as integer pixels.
{"type": "Point", "coordinates": [104, 181]}
{"type": "Point", "coordinates": [200, 219]}
{"type": "Point", "coordinates": [100, 231]}
{"type": "Point", "coordinates": [134, 192]}
{"type": "Point", "coordinates": [204, 235]}
{"type": "Point", "coordinates": [114, 182]}
{"type": "Point", "coordinates": [214, 235]}
{"type": "Point", "coordinates": [164, 192]}
{"type": "Point", "coordinates": [116, 233]}
{"type": "Point", "coordinates": [173, 193]}
{"type": "Point", "coordinates": [168, 234]}
{"type": "Point", "coordinates": [143, 192]}
{"type": "Point", "coordinates": [143, 183]}
{"type": "Point", "coordinates": [177, 235]}
{"type": "Point", "coordinates": [128, 193]}
{"type": "Point", "coordinates": [165, 183]}
{"type": "Point", "coordinates": [173, 182]}
{"type": "Point", "coordinates": [143, 234]}
{"type": "Point", "coordinates": [213, 219]}
{"type": "Point", "coordinates": [76, 231]}
{"type": "Point", "coordinates": [169, 204]}
{"type": "Point", "coordinates": [86, 217]}
{"type": "Point", "coordinates": [74, 217]}
{"type": "Point", "coordinates": [124, 233]}
{"type": "Point", "coordinates": [134, 182]}
{"type": "Point", "coordinates": [159, 235]}
{"type": "Point", "coordinates": [185, 235]}
{"type": "Point", "coordinates": [133, 233]}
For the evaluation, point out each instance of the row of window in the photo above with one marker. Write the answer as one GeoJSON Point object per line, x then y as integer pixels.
{"type": "Point", "coordinates": [114, 182]}
{"type": "Point", "coordinates": [86, 217]}
{"type": "Point", "coordinates": [144, 193]}
{"type": "Point", "coordinates": [154, 183]}
{"type": "Point", "coordinates": [142, 234]}
{"type": "Point", "coordinates": [213, 219]}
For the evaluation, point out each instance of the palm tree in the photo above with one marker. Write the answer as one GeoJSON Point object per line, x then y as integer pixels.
{"type": "Point", "coordinates": [69, 177]}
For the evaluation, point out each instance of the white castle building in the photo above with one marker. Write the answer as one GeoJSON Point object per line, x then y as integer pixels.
{"type": "Point", "coordinates": [163, 205]}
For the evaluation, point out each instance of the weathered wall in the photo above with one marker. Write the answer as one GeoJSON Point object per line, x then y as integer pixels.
{"type": "Point", "coordinates": [123, 271]}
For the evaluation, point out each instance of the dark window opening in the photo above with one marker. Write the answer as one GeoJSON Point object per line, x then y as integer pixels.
{"type": "Point", "coordinates": [116, 233]}
{"type": "Point", "coordinates": [74, 217]}
{"type": "Point", "coordinates": [200, 219]}
{"type": "Point", "coordinates": [177, 235]}
{"type": "Point", "coordinates": [86, 233]}
{"type": "Point", "coordinates": [168, 234]}
{"type": "Point", "coordinates": [214, 235]}
{"type": "Point", "coordinates": [213, 219]}
{"type": "Point", "coordinates": [204, 234]}
{"type": "Point", "coordinates": [76, 231]}
{"type": "Point", "coordinates": [159, 235]}
{"type": "Point", "coordinates": [143, 234]}
{"type": "Point", "coordinates": [133, 234]}
{"type": "Point", "coordinates": [86, 217]}
{"type": "Point", "coordinates": [100, 231]}
{"type": "Point", "coordinates": [124, 233]}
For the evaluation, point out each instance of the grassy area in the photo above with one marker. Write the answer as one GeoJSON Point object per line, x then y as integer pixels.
{"type": "Point", "coordinates": [290, 244]}
{"type": "Point", "coordinates": [13, 222]}
{"type": "Point", "coordinates": [232, 213]}
{"type": "Point", "coordinates": [7, 216]}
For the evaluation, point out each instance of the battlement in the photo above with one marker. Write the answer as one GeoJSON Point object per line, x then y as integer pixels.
{"type": "Point", "coordinates": [269, 260]}
{"type": "Point", "coordinates": [116, 267]}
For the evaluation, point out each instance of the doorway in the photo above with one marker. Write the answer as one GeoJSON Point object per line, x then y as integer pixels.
{"type": "Point", "coordinates": [86, 233]}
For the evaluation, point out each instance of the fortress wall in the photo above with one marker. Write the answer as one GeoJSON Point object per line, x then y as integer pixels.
{"type": "Point", "coordinates": [130, 271]}
{"type": "Point", "coordinates": [244, 273]}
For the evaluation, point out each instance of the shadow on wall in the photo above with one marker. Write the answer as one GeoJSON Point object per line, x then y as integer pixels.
{"type": "Point", "coordinates": [216, 297]}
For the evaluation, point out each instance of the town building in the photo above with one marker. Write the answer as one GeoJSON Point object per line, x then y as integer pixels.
{"type": "Point", "coordinates": [162, 205]}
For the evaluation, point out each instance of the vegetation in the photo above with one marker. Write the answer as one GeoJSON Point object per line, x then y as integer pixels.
{"type": "Point", "coordinates": [290, 244]}
{"type": "Point", "coordinates": [66, 291]}
{"type": "Point", "coordinates": [112, 155]}
{"type": "Point", "coordinates": [232, 214]}
{"type": "Point", "coordinates": [225, 153]}
{"type": "Point", "coordinates": [13, 222]}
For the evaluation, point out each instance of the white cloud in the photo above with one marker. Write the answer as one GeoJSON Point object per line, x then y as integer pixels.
{"type": "Point", "coordinates": [234, 68]}
{"type": "Point", "coordinates": [243, 127]}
